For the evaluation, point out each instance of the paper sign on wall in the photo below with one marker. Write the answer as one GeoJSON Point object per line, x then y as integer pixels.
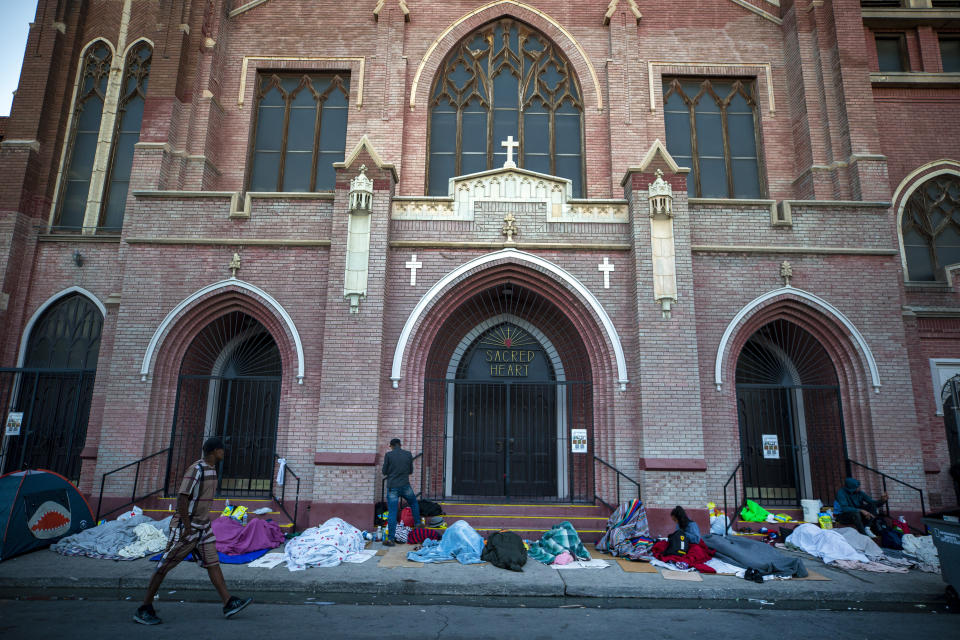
{"type": "Point", "coordinates": [578, 440]}
{"type": "Point", "coordinates": [771, 446]}
{"type": "Point", "coordinates": [14, 420]}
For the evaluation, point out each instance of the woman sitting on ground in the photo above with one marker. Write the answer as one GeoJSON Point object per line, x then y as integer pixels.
{"type": "Point", "coordinates": [686, 525]}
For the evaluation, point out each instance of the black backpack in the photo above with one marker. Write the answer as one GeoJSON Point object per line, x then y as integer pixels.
{"type": "Point", "coordinates": [677, 544]}
{"type": "Point", "coordinates": [505, 549]}
{"type": "Point", "coordinates": [429, 509]}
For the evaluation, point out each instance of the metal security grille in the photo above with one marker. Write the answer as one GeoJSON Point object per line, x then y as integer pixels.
{"type": "Point", "coordinates": [950, 397]}
{"type": "Point", "coordinates": [791, 420]}
{"type": "Point", "coordinates": [229, 386]}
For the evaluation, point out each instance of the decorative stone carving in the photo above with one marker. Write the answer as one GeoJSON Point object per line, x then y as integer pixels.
{"type": "Point", "coordinates": [234, 265]}
{"type": "Point", "coordinates": [786, 272]}
{"type": "Point", "coordinates": [660, 196]}
{"type": "Point", "coordinates": [361, 192]}
{"type": "Point", "coordinates": [509, 227]}
{"type": "Point", "coordinates": [358, 240]}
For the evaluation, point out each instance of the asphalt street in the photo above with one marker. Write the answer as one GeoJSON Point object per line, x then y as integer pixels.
{"type": "Point", "coordinates": [78, 620]}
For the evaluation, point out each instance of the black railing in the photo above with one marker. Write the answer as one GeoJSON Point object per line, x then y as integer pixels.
{"type": "Point", "coordinates": [883, 481]}
{"type": "Point", "coordinates": [141, 471]}
{"type": "Point", "coordinates": [738, 499]}
{"type": "Point", "coordinates": [604, 470]}
{"type": "Point", "coordinates": [282, 498]}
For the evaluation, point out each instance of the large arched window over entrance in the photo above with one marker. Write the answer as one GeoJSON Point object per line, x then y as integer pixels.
{"type": "Point", "coordinates": [505, 79]}
{"type": "Point", "coordinates": [931, 228]}
{"type": "Point", "coordinates": [229, 386]}
{"type": "Point", "coordinates": [54, 388]}
{"type": "Point", "coordinates": [791, 425]}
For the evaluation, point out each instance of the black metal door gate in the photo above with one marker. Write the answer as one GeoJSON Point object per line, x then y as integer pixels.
{"type": "Point", "coordinates": [244, 411]}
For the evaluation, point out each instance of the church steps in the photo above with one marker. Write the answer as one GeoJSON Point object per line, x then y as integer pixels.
{"type": "Point", "coordinates": [528, 520]}
{"type": "Point", "coordinates": [161, 507]}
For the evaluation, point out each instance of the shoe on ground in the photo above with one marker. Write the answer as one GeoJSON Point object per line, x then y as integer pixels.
{"type": "Point", "coordinates": [387, 542]}
{"type": "Point", "coordinates": [235, 605]}
{"type": "Point", "coordinates": [146, 615]}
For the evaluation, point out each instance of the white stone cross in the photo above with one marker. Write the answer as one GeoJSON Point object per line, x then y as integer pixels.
{"type": "Point", "coordinates": [413, 265]}
{"type": "Point", "coordinates": [510, 144]}
{"type": "Point", "coordinates": [606, 267]}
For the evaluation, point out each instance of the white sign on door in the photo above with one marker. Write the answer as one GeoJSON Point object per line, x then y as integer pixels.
{"type": "Point", "coordinates": [14, 420]}
{"type": "Point", "coordinates": [771, 447]}
{"type": "Point", "coordinates": [578, 440]}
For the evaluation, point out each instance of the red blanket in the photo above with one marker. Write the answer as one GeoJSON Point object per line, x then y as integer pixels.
{"type": "Point", "coordinates": [697, 557]}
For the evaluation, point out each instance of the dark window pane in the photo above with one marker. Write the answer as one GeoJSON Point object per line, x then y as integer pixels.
{"type": "Point", "coordinates": [741, 133]}
{"type": "Point", "coordinates": [473, 162]}
{"type": "Point", "coordinates": [273, 97]}
{"type": "Point", "coordinates": [539, 163]}
{"type": "Point", "coordinates": [441, 170]}
{"type": "Point", "coordinates": [296, 171]}
{"type": "Point", "coordinates": [746, 178]}
{"type": "Point", "coordinates": [443, 131]}
{"type": "Point", "coordinates": [132, 116]}
{"type": "Point", "coordinates": [290, 83]}
{"type": "Point", "coordinates": [506, 90]}
{"type": "Point", "coordinates": [88, 119]}
{"type": "Point", "coordinates": [950, 54]}
{"type": "Point", "coordinates": [269, 128]}
{"type": "Point", "coordinates": [678, 133]}
{"type": "Point", "coordinates": [890, 54]}
{"type": "Point", "coordinates": [336, 98]}
{"type": "Point", "coordinates": [713, 178]}
{"type": "Point", "coordinates": [116, 204]}
{"type": "Point", "coordinates": [709, 135]}
{"type": "Point", "coordinates": [74, 204]}
{"type": "Point", "coordinates": [123, 155]}
{"type": "Point", "coordinates": [474, 131]}
{"type": "Point", "coordinates": [536, 133]}
{"type": "Point", "coordinates": [919, 264]}
{"type": "Point", "coordinates": [333, 128]}
{"type": "Point", "coordinates": [303, 99]}
{"type": "Point", "coordinates": [84, 148]}
{"type": "Point", "coordinates": [326, 176]}
{"type": "Point", "coordinates": [568, 132]}
{"type": "Point", "coordinates": [300, 129]}
{"type": "Point", "coordinates": [266, 170]}
{"type": "Point", "coordinates": [570, 167]}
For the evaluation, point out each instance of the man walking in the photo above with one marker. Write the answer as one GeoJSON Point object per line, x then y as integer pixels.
{"type": "Point", "coordinates": [190, 532]}
{"type": "Point", "coordinates": [397, 467]}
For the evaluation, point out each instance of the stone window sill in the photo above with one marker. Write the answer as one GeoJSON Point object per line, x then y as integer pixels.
{"type": "Point", "coordinates": [905, 17]}
{"type": "Point", "coordinates": [915, 79]}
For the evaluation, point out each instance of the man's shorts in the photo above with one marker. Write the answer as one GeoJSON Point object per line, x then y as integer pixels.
{"type": "Point", "coordinates": [201, 542]}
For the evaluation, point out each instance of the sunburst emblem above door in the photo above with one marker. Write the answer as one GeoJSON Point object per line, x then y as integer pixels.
{"type": "Point", "coordinates": [507, 336]}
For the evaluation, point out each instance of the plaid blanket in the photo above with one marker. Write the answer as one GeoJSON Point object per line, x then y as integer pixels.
{"type": "Point", "coordinates": [561, 537]}
{"type": "Point", "coordinates": [627, 534]}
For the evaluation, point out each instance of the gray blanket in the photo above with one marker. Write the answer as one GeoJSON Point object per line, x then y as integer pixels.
{"type": "Point", "coordinates": [105, 540]}
{"type": "Point", "coordinates": [753, 554]}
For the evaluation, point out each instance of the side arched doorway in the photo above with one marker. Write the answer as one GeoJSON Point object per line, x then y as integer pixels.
{"type": "Point", "coordinates": [508, 389]}
{"type": "Point", "coordinates": [791, 422]}
{"type": "Point", "coordinates": [52, 391]}
{"type": "Point", "coordinates": [229, 386]}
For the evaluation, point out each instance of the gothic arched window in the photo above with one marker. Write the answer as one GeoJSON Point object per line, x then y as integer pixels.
{"type": "Point", "coordinates": [931, 228]}
{"type": "Point", "coordinates": [82, 145]}
{"type": "Point", "coordinates": [130, 117]}
{"type": "Point", "coordinates": [505, 79]}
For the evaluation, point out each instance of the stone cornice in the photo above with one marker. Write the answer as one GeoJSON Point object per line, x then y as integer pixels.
{"type": "Point", "coordinates": [743, 248]}
{"type": "Point", "coordinates": [554, 246]}
{"type": "Point", "coordinates": [249, 242]}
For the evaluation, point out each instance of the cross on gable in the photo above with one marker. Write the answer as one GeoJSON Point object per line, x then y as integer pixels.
{"type": "Point", "coordinates": [510, 145]}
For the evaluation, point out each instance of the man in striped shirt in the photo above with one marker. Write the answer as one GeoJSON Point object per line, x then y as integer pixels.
{"type": "Point", "coordinates": [190, 532]}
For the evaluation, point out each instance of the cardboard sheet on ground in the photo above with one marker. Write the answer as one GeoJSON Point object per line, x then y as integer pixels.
{"type": "Point", "coordinates": [397, 557]}
{"type": "Point", "coordinates": [813, 575]}
{"type": "Point", "coordinates": [632, 566]}
{"type": "Point", "coordinates": [268, 561]}
{"type": "Point", "coordinates": [688, 576]}
{"type": "Point", "coordinates": [583, 564]}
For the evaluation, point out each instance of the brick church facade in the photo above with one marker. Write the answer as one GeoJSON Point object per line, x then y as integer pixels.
{"type": "Point", "coordinates": [561, 249]}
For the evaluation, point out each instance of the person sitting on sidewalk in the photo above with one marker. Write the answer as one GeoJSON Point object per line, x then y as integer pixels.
{"type": "Point", "coordinates": [685, 524]}
{"type": "Point", "coordinates": [854, 507]}
{"type": "Point", "coordinates": [397, 467]}
{"type": "Point", "coordinates": [190, 532]}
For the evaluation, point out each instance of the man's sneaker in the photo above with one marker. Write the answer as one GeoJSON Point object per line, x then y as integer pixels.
{"type": "Point", "coordinates": [387, 542]}
{"type": "Point", "coordinates": [235, 605]}
{"type": "Point", "coordinates": [146, 615]}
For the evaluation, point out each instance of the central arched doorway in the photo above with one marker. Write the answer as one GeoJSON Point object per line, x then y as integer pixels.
{"type": "Point", "coordinates": [791, 423]}
{"type": "Point", "coordinates": [229, 386]}
{"type": "Point", "coordinates": [508, 391]}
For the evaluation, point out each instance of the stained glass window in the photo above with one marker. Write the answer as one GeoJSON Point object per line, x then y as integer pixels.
{"type": "Point", "coordinates": [931, 228]}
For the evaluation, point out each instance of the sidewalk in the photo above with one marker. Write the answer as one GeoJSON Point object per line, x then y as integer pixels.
{"type": "Point", "coordinates": [45, 574]}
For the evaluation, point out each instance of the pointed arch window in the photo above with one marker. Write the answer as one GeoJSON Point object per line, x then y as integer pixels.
{"type": "Point", "coordinates": [505, 79]}
{"type": "Point", "coordinates": [133, 92]}
{"type": "Point", "coordinates": [931, 228]}
{"type": "Point", "coordinates": [300, 131]}
{"type": "Point", "coordinates": [85, 133]}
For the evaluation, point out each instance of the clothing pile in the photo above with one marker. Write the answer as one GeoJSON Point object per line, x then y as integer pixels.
{"type": "Point", "coordinates": [627, 534]}
{"type": "Point", "coordinates": [506, 550]}
{"type": "Point", "coordinates": [922, 549]}
{"type": "Point", "coordinates": [117, 540]}
{"type": "Point", "coordinates": [754, 555]}
{"type": "Point", "coordinates": [236, 538]}
{"type": "Point", "coordinates": [845, 548]}
{"type": "Point", "coordinates": [561, 537]}
{"type": "Point", "coordinates": [328, 545]}
{"type": "Point", "coordinates": [460, 542]}
{"type": "Point", "coordinates": [696, 557]}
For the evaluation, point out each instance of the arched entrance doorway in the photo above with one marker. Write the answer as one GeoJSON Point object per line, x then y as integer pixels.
{"type": "Point", "coordinates": [229, 386]}
{"type": "Point", "coordinates": [507, 392]}
{"type": "Point", "coordinates": [53, 389]}
{"type": "Point", "coordinates": [791, 424]}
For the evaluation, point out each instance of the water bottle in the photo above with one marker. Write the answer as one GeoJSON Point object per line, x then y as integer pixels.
{"type": "Point", "coordinates": [379, 533]}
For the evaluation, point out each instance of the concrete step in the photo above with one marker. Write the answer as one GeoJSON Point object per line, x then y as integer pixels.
{"type": "Point", "coordinates": [160, 507]}
{"type": "Point", "coordinates": [794, 512]}
{"type": "Point", "coordinates": [529, 520]}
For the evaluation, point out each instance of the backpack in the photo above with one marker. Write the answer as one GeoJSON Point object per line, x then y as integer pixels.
{"type": "Point", "coordinates": [429, 509]}
{"type": "Point", "coordinates": [506, 550]}
{"type": "Point", "coordinates": [677, 544]}
{"type": "Point", "coordinates": [380, 514]}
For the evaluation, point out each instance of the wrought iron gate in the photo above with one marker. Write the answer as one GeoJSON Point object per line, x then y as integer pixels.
{"type": "Point", "coordinates": [244, 412]}
{"type": "Point", "coordinates": [55, 404]}
{"type": "Point", "coordinates": [950, 397]}
{"type": "Point", "coordinates": [506, 440]}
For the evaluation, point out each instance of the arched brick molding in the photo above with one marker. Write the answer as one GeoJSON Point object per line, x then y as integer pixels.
{"type": "Point", "coordinates": [27, 328]}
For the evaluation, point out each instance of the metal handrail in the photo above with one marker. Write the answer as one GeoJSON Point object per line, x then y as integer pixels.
{"type": "Point", "coordinates": [884, 477]}
{"type": "Point", "coordinates": [620, 474]}
{"type": "Point", "coordinates": [136, 478]}
{"type": "Point", "coordinates": [283, 494]}
{"type": "Point", "coordinates": [736, 494]}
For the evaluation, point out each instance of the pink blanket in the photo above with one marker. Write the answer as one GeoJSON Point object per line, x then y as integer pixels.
{"type": "Point", "coordinates": [234, 538]}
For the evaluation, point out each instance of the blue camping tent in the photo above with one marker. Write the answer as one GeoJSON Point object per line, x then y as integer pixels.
{"type": "Point", "coordinates": [37, 508]}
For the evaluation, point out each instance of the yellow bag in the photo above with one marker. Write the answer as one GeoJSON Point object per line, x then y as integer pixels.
{"type": "Point", "coordinates": [826, 522]}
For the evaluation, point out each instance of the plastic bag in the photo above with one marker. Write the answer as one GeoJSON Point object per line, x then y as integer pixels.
{"type": "Point", "coordinates": [136, 511]}
{"type": "Point", "coordinates": [719, 524]}
{"type": "Point", "coordinates": [753, 512]}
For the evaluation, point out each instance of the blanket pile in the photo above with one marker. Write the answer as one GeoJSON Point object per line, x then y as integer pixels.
{"type": "Point", "coordinates": [325, 546]}
{"type": "Point", "coordinates": [460, 542]}
{"type": "Point", "coordinates": [753, 554]}
{"type": "Point", "coordinates": [235, 538]}
{"type": "Point", "coordinates": [627, 534]}
{"type": "Point", "coordinates": [697, 556]}
{"type": "Point", "coordinates": [561, 537]}
{"type": "Point", "coordinates": [117, 540]}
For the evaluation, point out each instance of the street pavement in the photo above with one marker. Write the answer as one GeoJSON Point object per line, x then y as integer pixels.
{"type": "Point", "coordinates": [79, 620]}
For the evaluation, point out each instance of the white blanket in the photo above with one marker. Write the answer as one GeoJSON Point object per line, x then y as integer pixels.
{"type": "Point", "coordinates": [923, 549]}
{"type": "Point", "coordinates": [328, 545]}
{"type": "Point", "coordinates": [150, 540]}
{"type": "Point", "coordinates": [860, 542]}
{"type": "Point", "coordinates": [826, 544]}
